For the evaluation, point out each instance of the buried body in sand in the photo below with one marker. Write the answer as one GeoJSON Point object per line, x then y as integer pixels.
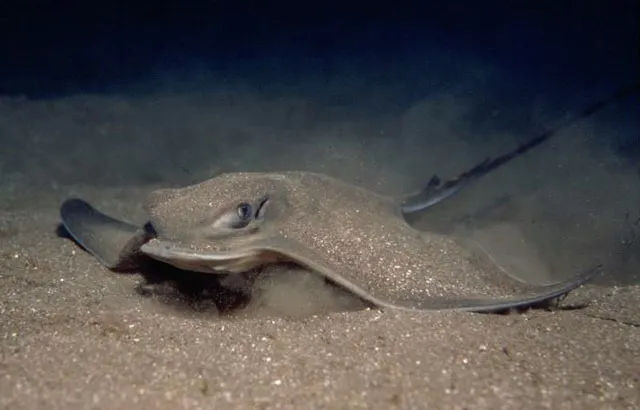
{"type": "Point", "coordinates": [355, 238]}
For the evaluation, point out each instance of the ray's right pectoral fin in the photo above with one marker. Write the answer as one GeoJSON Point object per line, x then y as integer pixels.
{"type": "Point", "coordinates": [114, 243]}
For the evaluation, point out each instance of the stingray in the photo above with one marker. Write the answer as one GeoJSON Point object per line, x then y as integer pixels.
{"type": "Point", "coordinates": [354, 237]}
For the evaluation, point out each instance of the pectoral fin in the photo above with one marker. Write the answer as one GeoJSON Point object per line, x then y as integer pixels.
{"type": "Point", "coordinates": [114, 243]}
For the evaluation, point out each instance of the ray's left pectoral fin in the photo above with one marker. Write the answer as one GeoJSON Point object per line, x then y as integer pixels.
{"type": "Point", "coordinates": [532, 296]}
{"type": "Point", "coordinates": [536, 296]}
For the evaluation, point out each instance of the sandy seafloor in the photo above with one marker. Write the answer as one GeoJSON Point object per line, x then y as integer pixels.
{"type": "Point", "coordinates": [74, 335]}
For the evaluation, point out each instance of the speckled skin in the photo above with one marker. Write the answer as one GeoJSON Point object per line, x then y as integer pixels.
{"type": "Point", "coordinates": [355, 237]}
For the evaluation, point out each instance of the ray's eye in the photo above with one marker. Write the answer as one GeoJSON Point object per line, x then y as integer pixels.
{"type": "Point", "coordinates": [245, 212]}
{"type": "Point", "coordinates": [240, 216]}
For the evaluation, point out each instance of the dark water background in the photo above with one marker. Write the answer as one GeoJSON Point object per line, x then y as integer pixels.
{"type": "Point", "coordinates": [576, 51]}
{"type": "Point", "coordinates": [54, 48]}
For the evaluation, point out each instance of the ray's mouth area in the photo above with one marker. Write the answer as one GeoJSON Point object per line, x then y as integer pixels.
{"type": "Point", "coordinates": [170, 250]}
{"type": "Point", "coordinates": [212, 261]}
